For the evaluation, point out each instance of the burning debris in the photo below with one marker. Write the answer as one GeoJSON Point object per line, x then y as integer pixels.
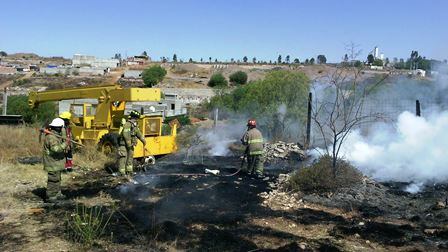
{"type": "Point", "coordinates": [283, 151]}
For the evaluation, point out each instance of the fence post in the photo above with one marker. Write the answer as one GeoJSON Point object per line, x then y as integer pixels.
{"type": "Point", "coordinates": [417, 108]}
{"type": "Point", "coordinates": [215, 121]}
{"type": "Point", "coordinates": [5, 101]}
{"type": "Point", "coordinates": [308, 122]}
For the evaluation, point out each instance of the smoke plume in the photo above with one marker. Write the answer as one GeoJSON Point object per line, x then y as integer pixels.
{"type": "Point", "coordinates": [415, 151]}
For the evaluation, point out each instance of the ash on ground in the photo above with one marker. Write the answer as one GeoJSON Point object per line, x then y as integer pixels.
{"type": "Point", "coordinates": [375, 211]}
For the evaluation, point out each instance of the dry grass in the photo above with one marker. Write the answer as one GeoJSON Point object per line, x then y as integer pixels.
{"type": "Point", "coordinates": [18, 141]}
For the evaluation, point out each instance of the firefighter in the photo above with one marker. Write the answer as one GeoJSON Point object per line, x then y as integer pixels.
{"type": "Point", "coordinates": [127, 141]}
{"type": "Point", "coordinates": [67, 134]}
{"type": "Point", "coordinates": [253, 139]}
{"type": "Point", "coordinates": [54, 149]}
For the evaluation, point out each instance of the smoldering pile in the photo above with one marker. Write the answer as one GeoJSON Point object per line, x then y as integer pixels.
{"type": "Point", "coordinates": [283, 151]}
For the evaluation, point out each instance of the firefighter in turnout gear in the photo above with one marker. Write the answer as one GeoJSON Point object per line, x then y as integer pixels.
{"type": "Point", "coordinates": [129, 133]}
{"type": "Point", "coordinates": [67, 134]}
{"type": "Point", "coordinates": [253, 139]}
{"type": "Point", "coordinates": [54, 150]}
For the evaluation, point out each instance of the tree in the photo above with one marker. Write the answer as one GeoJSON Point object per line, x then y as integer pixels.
{"type": "Point", "coordinates": [174, 58]}
{"type": "Point", "coordinates": [3, 54]}
{"type": "Point", "coordinates": [279, 59]}
{"type": "Point", "coordinates": [346, 58]}
{"type": "Point", "coordinates": [263, 98]}
{"type": "Point", "coordinates": [307, 61]}
{"type": "Point", "coordinates": [190, 60]}
{"type": "Point", "coordinates": [287, 59]}
{"type": "Point", "coordinates": [378, 62]}
{"type": "Point", "coordinates": [153, 75]}
{"type": "Point", "coordinates": [117, 56]}
{"type": "Point", "coordinates": [312, 61]}
{"type": "Point", "coordinates": [144, 53]}
{"type": "Point", "coordinates": [370, 59]}
{"type": "Point", "coordinates": [321, 59]}
{"type": "Point", "coordinates": [210, 59]}
{"type": "Point", "coordinates": [296, 61]}
{"type": "Point", "coordinates": [340, 109]}
{"type": "Point", "coordinates": [254, 60]}
{"type": "Point", "coordinates": [245, 59]}
{"type": "Point", "coordinates": [238, 77]}
{"type": "Point", "coordinates": [217, 80]}
{"type": "Point", "coordinates": [202, 60]}
{"type": "Point", "coordinates": [18, 105]}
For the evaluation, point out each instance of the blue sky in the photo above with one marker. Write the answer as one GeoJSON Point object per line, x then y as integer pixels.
{"type": "Point", "coordinates": [224, 29]}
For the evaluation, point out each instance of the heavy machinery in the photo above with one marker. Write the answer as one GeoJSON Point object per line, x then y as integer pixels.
{"type": "Point", "coordinates": [99, 123]}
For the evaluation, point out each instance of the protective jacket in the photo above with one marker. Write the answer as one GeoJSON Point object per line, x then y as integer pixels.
{"type": "Point", "coordinates": [254, 140]}
{"type": "Point", "coordinates": [54, 152]}
{"type": "Point", "coordinates": [130, 134]}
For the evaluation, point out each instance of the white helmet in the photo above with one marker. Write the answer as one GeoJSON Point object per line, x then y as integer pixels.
{"type": "Point", "coordinates": [57, 122]}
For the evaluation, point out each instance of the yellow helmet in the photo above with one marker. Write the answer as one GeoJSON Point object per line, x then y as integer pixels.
{"type": "Point", "coordinates": [66, 115]}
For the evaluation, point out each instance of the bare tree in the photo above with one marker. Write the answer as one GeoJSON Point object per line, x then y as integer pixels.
{"type": "Point", "coordinates": [341, 110]}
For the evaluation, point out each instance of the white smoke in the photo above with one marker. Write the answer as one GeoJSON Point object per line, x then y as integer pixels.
{"type": "Point", "coordinates": [415, 150]}
{"type": "Point", "coordinates": [220, 138]}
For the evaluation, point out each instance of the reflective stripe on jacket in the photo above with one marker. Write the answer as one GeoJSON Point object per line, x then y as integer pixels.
{"type": "Point", "coordinates": [254, 140]}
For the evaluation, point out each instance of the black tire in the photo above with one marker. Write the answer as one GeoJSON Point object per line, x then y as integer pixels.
{"type": "Point", "coordinates": [108, 143]}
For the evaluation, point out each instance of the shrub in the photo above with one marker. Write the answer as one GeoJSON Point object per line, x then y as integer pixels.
{"type": "Point", "coordinates": [238, 77]}
{"type": "Point", "coordinates": [153, 75]}
{"type": "Point", "coordinates": [18, 105]}
{"type": "Point", "coordinates": [318, 177]}
{"type": "Point", "coordinates": [21, 82]}
{"type": "Point", "coordinates": [217, 80]}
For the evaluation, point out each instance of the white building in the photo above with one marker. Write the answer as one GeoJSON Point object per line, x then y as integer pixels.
{"type": "Point", "coordinates": [83, 60]}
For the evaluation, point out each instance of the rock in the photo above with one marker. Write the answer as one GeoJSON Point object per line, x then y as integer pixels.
{"type": "Point", "coordinates": [361, 223]}
{"type": "Point", "coordinates": [439, 205]}
{"type": "Point", "coordinates": [302, 245]}
{"type": "Point", "coordinates": [430, 231]}
{"type": "Point", "coordinates": [357, 235]}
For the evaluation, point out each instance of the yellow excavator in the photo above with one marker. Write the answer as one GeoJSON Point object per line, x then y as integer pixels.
{"type": "Point", "coordinates": [100, 123]}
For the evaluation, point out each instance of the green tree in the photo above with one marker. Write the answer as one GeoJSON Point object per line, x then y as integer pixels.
{"type": "Point", "coordinates": [174, 58]}
{"type": "Point", "coordinates": [238, 77]}
{"type": "Point", "coordinates": [321, 59]}
{"type": "Point", "coordinates": [370, 59]}
{"type": "Point", "coordinates": [262, 99]}
{"type": "Point", "coordinates": [358, 63]}
{"type": "Point", "coordinates": [217, 80]}
{"type": "Point", "coordinates": [144, 53]}
{"type": "Point", "coordinates": [377, 62]}
{"type": "Point", "coordinates": [18, 105]}
{"type": "Point", "coordinates": [296, 61]}
{"type": "Point", "coordinates": [279, 59]}
{"type": "Point", "coordinates": [287, 59]}
{"type": "Point", "coordinates": [307, 61]}
{"type": "Point", "coordinates": [254, 60]}
{"type": "Point", "coordinates": [190, 60]}
{"type": "Point", "coordinates": [3, 54]}
{"type": "Point", "coordinates": [245, 59]}
{"type": "Point", "coordinates": [312, 60]}
{"type": "Point", "coordinates": [153, 75]}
